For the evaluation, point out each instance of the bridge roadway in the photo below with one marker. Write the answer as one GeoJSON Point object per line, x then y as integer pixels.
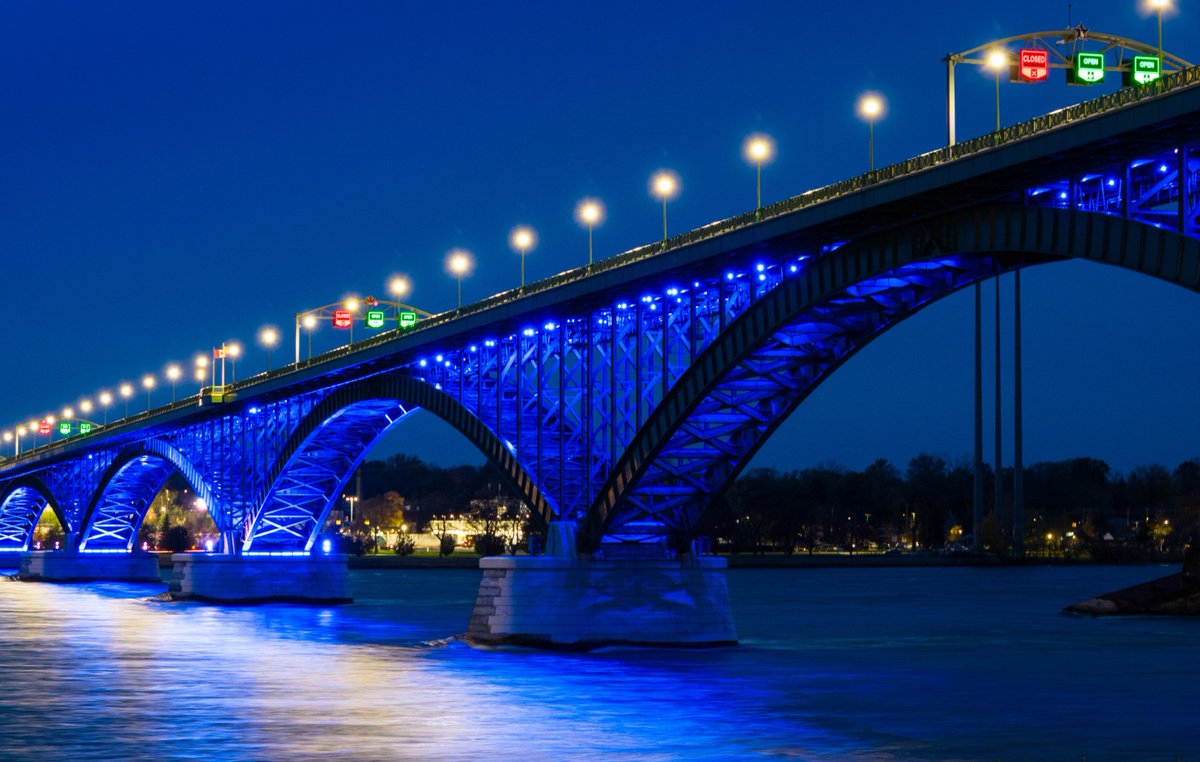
{"type": "Point", "coordinates": [620, 398]}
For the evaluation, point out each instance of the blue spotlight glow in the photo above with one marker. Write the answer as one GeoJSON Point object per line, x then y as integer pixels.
{"type": "Point", "coordinates": [326, 546]}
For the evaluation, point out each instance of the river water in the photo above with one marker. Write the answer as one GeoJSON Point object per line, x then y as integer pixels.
{"type": "Point", "coordinates": [835, 664]}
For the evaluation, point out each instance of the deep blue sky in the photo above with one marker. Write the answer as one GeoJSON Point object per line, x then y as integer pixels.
{"type": "Point", "coordinates": [174, 176]}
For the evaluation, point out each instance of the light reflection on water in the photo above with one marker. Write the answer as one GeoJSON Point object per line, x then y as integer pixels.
{"type": "Point", "coordinates": [862, 664]}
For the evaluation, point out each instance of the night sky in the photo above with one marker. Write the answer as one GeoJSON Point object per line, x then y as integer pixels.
{"type": "Point", "coordinates": [173, 176]}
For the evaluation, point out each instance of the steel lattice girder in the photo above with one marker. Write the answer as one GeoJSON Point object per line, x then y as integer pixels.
{"type": "Point", "coordinates": [324, 449]}
{"type": "Point", "coordinates": [122, 504]}
{"type": "Point", "coordinates": [769, 359]}
{"type": "Point", "coordinates": [1160, 188]}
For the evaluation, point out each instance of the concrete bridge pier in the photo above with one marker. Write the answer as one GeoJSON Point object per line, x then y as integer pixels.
{"type": "Point", "coordinates": [570, 601]}
{"type": "Point", "coordinates": [249, 579]}
{"type": "Point", "coordinates": [73, 566]}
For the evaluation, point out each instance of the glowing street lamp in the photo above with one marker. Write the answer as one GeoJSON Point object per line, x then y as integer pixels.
{"type": "Point", "coordinates": [459, 262]}
{"type": "Point", "coordinates": [759, 149]}
{"type": "Point", "coordinates": [664, 185]}
{"type": "Point", "coordinates": [351, 305]}
{"type": "Point", "coordinates": [309, 321]}
{"type": "Point", "coordinates": [105, 402]}
{"type": "Point", "coordinates": [233, 350]}
{"type": "Point", "coordinates": [268, 338]}
{"type": "Point", "coordinates": [173, 374]}
{"type": "Point", "coordinates": [126, 391]}
{"type": "Point", "coordinates": [399, 286]}
{"type": "Point", "coordinates": [871, 107]}
{"type": "Point", "coordinates": [997, 61]}
{"type": "Point", "coordinates": [149, 383]}
{"type": "Point", "coordinates": [589, 212]}
{"type": "Point", "coordinates": [1159, 6]}
{"type": "Point", "coordinates": [522, 238]}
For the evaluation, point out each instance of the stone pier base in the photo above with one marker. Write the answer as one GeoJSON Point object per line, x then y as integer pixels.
{"type": "Point", "coordinates": [259, 579]}
{"type": "Point", "coordinates": [69, 566]}
{"type": "Point", "coordinates": [10, 559]}
{"type": "Point", "coordinates": [582, 603]}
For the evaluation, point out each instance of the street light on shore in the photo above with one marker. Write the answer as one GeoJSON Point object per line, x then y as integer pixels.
{"type": "Point", "coordinates": [664, 185]}
{"type": "Point", "coordinates": [522, 238]}
{"type": "Point", "coordinates": [759, 149]}
{"type": "Point", "coordinates": [589, 212]}
{"type": "Point", "coordinates": [459, 262]}
{"type": "Point", "coordinates": [871, 107]}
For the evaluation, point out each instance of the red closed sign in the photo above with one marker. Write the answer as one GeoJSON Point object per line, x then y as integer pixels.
{"type": "Point", "coordinates": [342, 319]}
{"type": "Point", "coordinates": [1035, 64]}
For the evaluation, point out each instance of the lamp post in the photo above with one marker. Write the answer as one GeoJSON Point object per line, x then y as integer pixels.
{"type": "Point", "coordinates": [8, 437]}
{"type": "Point", "coordinates": [268, 337]}
{"type": "Point", "coordinates": [522, 238]}
{"type": "Point", "coordinates": [1159, 6]}
{"type": "Point", "coordinates": [589, 212]}
{"type": "Point", "coordinates": [148, 382]}
{"type": "Point", "coordinates": [664, 185]}
{"type": "Point", "coordinates": [351, 305]}
{"type": "Point", "coordinates": [233, 350]}
{"type": "Point", "coordinates": [459, 263]}
{"type": "Point", "coordinates": [759, 149]}
{"type": "Point", "coordinates": [173, 374]}
{"type": "Point", "coordinates": [997, 61]}
{"type": "Point", "coordinates": [105, 402]}
{"type": "Point", "coordinates": [870, 107]}
{"type": "Point", "coordinates": [126, 391]}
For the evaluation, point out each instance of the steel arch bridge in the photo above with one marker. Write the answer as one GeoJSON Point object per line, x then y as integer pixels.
{"type": "Point", "coordinates": [627, 395]}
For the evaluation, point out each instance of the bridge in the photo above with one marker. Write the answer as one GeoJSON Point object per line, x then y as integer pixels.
{"type": "Point", "coordinates": [619, 399]}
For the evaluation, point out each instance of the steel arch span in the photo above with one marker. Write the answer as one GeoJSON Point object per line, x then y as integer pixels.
{"type": "Point", "coordinates": [128, 487]}
{"type": "Point", "coordinates": [332, 440]}
{"type": "Point", "coordinates": [759, 370]}
{"type": "Point", "coordinates": [22, 502]}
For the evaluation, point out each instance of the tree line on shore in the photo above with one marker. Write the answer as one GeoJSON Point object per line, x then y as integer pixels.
{"type": "Point", "coordinates": [1079, 507]}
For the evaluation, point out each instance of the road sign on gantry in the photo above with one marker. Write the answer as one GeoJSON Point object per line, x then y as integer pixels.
{"type": "Point", "coordinates": [342, 319]}
{"type": "Point", "coordinates": [375, 319]}
{"type": "Point", "coordinates": [1143, 70]}
{"type": "Point", "coordinates": [1033, 65]}
{"type": "Point", "coordinates": [1088, 69]}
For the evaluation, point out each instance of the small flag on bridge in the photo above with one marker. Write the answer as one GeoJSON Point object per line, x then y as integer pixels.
{"type": "Point", "coordinates": [219, 354]}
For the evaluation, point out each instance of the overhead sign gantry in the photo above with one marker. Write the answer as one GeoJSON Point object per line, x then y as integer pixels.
{"type": "Point", "coordinates": [1138, 63]}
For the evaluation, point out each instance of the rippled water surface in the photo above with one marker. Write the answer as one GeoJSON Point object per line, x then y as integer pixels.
{"type": "Point", "coordinates": [859, 664]}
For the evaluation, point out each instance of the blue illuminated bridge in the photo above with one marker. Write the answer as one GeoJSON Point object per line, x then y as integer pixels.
{"type": "Point", "coordinates": [625, 396]}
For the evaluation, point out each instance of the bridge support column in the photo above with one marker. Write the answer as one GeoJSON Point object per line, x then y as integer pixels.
{"type": "Point", "coordinates": [71, 566]}
{"type": "Point", "coordinates": [582, 603]}
{"type": "Point", "coordinates": [227, 578]}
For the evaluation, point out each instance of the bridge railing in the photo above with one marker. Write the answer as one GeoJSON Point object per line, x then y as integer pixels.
{"type": "Point", "coordinates": [1169, 83]}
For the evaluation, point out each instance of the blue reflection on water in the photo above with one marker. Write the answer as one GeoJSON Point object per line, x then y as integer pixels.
{"type": "Point", "coordinates": [861, 664]}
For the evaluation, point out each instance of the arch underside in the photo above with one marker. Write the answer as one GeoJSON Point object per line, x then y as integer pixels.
{"type": "Point", "coordinates": [729, 423]}
{"type": "Point", "coordinates": [121, 506]}
{"type": "Point", "coordinates": [768, 361]}
{"type": "Point", "coordinates": [20, 510]}
{"type": "Point", "coordinates": [325, 450]}
{"type": "Point", "coordinates": [127, 489]}
{"type": "Point", "coordinates": [301, 496]}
